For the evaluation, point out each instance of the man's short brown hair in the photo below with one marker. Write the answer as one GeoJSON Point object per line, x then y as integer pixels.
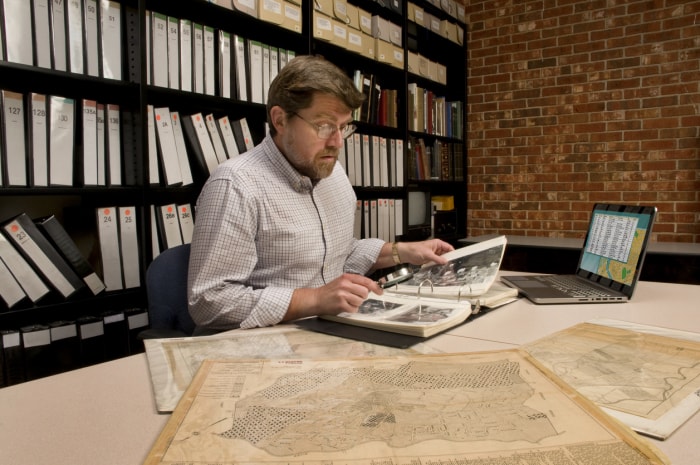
{"type": "Point", "coordinates": [294, 87]}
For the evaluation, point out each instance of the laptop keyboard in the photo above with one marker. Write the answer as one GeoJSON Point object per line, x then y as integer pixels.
{"type": "Point", "coordinates": [574, 287]}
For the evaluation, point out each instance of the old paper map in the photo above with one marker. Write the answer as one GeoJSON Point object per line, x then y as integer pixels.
{"type": "Point", "coordinates": [173, 362]}
{"type": "Point", "coordinates": [480, 408]}
{"type": "Point", "coordinates": [648, 377]}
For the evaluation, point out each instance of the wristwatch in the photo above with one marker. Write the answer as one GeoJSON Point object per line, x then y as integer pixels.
{"type": "Point", "coordinates": [395, 253]}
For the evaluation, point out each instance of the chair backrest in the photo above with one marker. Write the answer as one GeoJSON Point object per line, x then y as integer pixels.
{"type": "Point", "coordinates": [166, 286]}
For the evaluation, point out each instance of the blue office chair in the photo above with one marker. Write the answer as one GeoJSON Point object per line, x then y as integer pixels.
{"type": "Point", "coordinates": [166, 287]}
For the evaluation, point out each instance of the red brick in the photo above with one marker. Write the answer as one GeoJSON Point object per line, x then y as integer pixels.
{"type": "Point", "coordinates": [607, 111]}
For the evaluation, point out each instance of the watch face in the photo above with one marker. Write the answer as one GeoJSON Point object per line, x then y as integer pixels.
{"type": "Point", "coordinates": [395, 277]}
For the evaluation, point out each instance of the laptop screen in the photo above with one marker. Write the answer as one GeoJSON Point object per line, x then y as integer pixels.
{"type": "Point", "coordinates": [615, 245]}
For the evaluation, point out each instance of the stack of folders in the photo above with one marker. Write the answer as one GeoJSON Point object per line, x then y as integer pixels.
{"type": "Point", "coordinates": [171, 225]}
{"type": "Point", "coordinates": [193, 57]}
{"type": "Point", "coordinates": [39, 142]}
{"type": "Point", "coordinates": [39, 258]}
{"type": "Point", "coordinates": [40, 262]}
{"type": "Point", "coordinates": [373, 161]}
{"type": "Point", "coordinates": [172, 137]}
{"type": "Point", "coordinates": [117, 233]}
{"type": "Point", "coordinates": [379, 218]}
{"type": "Point", "coordinates": [82, 37]}
{"type": "Point", "coordinates": [39, 350]}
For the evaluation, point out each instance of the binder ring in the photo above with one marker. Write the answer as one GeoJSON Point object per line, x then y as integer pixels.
{"type": "Point", "coordinates": [421, 285]}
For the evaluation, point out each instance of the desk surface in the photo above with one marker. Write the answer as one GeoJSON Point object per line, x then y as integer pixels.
{"type": "Point", "coordinates": [106, 413]}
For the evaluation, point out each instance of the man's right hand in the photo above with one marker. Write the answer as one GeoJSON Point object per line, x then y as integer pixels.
{"type": "Point", "coordinates": [344, 294]}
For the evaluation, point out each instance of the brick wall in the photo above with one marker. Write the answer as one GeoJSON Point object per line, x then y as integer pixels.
{"type": "Point", "coordinates": [575, 102]}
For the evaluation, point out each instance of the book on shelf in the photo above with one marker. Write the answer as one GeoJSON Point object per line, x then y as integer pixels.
{"type": "Point", "coordinates": [14, 158]}
{"type": "Point", "coordinates": [91, 37]}
{"type": "Point", "coordinates": [209, 59]}
{"type": "Point", "coordinates": [129, 247]}
{"type": "Point", "coordinates": [108, 237]}
{"type": "Point", "coordinates": [17, 25]}
{"type": "Point", "coordinates": [181, 147]}
{"type": "Point", "coordinates": [25, 235]}
{"type": "Point", "coordinates": [59, 47]}
{"type": "Point", "coordinates": [11, 292]}
{"type": "Point", "coordinates": [65, 346]}
{"type": "Point", "coordinates": [167, 147]}
{"type": "Point", "coordinates": [37, 140]}
{"type": "Point", "coordinates": [12, 357]}
{"type": "Point", "coordinates": [52, 228]}
{"type": "Point", "coordinates": [101, 145]}
{"type": "Point", "coordinates": [42, 36]}
{"type": "Point", "coordinates": [198, 58]}
{"type": "Point", "coordinates": [36, 340]}
{"type": "Point", "coordinates": [186, 221]}
{"type": "Point", "coordinates": [199, 142]}
{"type": "Point", "coordinates": [216, 140]}
{"type": "Point", "coordinates": [242, 134]}
{"type": "Point", "coordinates": [75, 44]}
{"type": "Point", "coordinates": [28, 279]}
{"type": "Point", "coordinates": [113, 151]}
{"type": "Point", "coordinates": [153, 173]}
{"type": "Point", "coordinates": [61, 140]}
{"type": "Point", "coordinates": [436, 297]}
{"type": "Point", "coordinates": [173, 42]}
{"type": "Point", "coordinates": [111, 39]}
{"type": "Point", "coordinates": [89, 143]}
{"type": "Point", "coordinates": [185, 35]}
{"type": "Point", "coordinates": [168, 225]}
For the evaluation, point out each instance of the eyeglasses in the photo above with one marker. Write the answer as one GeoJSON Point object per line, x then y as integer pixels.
{"type": "Point", "coordinates": [326, 131]}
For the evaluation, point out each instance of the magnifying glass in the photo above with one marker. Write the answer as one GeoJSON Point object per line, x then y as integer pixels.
{"type": "Point", "coordinates": [395, 277]}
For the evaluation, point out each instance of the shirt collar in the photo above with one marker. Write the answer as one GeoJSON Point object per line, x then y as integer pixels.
{"type": "Point", "coordinates": [297, 181]}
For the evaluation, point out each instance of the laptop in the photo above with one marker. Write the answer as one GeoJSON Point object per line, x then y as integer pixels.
{"type": "Point", "coordinates": [609, 265]}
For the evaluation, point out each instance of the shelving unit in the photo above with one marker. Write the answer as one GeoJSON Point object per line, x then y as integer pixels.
{"type": "Point", "coordinates": [134, 94]}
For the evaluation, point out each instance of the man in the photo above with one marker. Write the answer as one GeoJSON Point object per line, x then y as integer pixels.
{"type": "Point", "coordinates": [273, 240]}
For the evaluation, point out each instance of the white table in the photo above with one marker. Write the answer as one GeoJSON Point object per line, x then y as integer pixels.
{"type": "Point", "coordinates": [105, 414]}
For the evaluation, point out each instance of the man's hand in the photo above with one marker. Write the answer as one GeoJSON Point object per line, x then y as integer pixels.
{"type": "Point", "coordinates": [419, 253]}
{"type": "Point", "coordinates": [344, 294]}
